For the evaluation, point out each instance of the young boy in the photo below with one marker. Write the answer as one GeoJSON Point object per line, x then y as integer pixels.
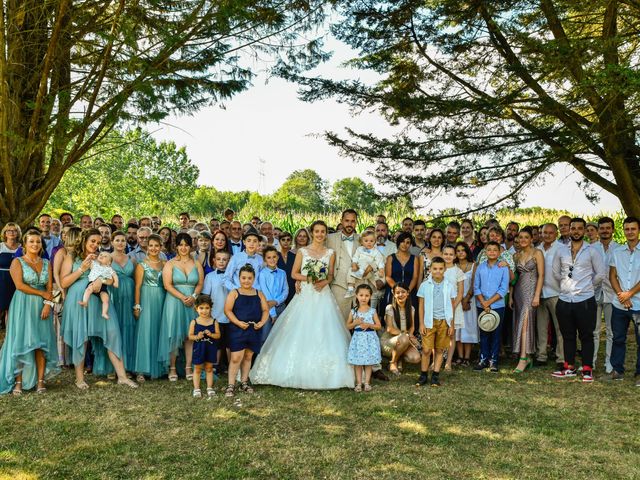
{"type": "Point", "coordinates": [273, 284]}
{"type": "Point", "coordinates": [250, 255]}
{"type": "Point", "coordinates": [365, 259]}
{"type": "Point", "coordinates": [490, 286]}
{"type": "Point", "coordinates": [214, 287]}
{"type": "Point", "coordinates": [435, 310]}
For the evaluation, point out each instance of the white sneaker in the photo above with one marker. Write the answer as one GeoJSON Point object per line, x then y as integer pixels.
{"type": "Point", "coordinates": [350, 293]}
{"type": "Point", "coordinates": [357, 274]}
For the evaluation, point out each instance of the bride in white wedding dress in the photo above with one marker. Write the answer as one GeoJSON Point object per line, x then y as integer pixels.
{"type": "Point", "coordinates": [307, 347]}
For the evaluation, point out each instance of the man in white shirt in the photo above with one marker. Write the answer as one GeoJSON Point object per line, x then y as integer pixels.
{"type": "Point", "coordinates": [548, 298]}
{"type": "Point", "coordinates": [604, 295]}
{"type": "Point", "coordinates": [624, 274]}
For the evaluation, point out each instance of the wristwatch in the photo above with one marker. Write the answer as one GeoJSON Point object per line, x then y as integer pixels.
{"type": "Point", "coordinates": [48, 302]}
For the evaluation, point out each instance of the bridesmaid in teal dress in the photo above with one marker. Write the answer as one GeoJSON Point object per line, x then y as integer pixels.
{"type": "Point", "coordinates": [122, 298]}
{"type": "Point", "coordinates": [29, 352]}
{"type": "Point", "coordinates": [81, 324]}
{"type": "Point", "coordinates": [183, 278]}
{"type": "Point", "coordinates": [149, 298]}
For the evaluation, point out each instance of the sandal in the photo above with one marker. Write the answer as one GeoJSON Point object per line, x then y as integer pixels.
{"type": "Point", "coordinates": [211, 392]}
{"type": "Point", "coordinates": [459, 361]}
{"type": "Point", "coordinates": [140, 378]}
{"type": "Point", "coordinates": [197, 393]}
{"type": "Point", "coordinates": [128, 382]}
{"type": "Point", "coordinates": [447, 368]}
{"type": "Point", "coordinates": [358, 388]}
{"type": "Point", "coordinates": [17, 390]}
{"type": "Point", "coordinates": [394, 370]}
{"type": "Point", "coordinates": [111, 376]}
{"type": "Point", "coordinates": [173, 377]}
{"type": "Point", "coordinates": [230, 391]}
{"type": "Point", "coordinates": [189, 373]}
{"type": "Point", "coordinates": [41, 388]}
{"type": "Point", "coordinates": [367, 387]}
{"type": "Point", "coordinates": [246, 388]}
{"type": "Point", "coordinates": [82, 385]}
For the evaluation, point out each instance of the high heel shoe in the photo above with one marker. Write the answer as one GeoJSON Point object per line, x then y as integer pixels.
{"type": "Point", "coordinates": [528, 365]}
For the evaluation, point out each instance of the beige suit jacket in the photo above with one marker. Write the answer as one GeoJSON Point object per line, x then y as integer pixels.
{"type": "Point", "coordinates": [343, 258]}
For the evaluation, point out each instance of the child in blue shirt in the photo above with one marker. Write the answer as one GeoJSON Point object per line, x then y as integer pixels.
{"type": "Point", "coordinates": [250, 255]}
{"type": "Point", "coordinates": [214, 286]}
{"type": "Point", "coordinates": [273, 284]}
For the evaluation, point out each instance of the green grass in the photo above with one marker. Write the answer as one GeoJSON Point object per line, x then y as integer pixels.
{"type": "Point", "coordinates": [477, 425]}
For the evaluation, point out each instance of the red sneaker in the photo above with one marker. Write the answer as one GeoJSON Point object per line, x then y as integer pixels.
{"type": "Point", "coordinates": [565, 373]}
{"type": "Point", "coordinates": [587, 376]}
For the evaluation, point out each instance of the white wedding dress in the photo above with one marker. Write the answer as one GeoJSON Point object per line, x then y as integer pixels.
{"type": "Point", "coordinates": [307, 347]}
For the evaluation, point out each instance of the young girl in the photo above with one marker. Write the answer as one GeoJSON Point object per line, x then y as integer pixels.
{"type": "Point", "coordinates": [203, 331]}
{"type": "Point", "coordinates": [364, 349]}
{"type": "Point", "coordinates": [468, 334]}
{"type": "Point", "coordinates": [455, 276]}
{"type": "Point", "coordinates": [399, 342]}
{"type": "Point", "coordinates": [247, 310]}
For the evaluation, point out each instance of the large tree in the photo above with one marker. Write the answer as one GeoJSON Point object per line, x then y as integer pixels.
{"type": "Point", "coordinates": [353, 192]}
{"type": "Point", "coordinates": [71, 70]}
{"type": "Point", "coordinates": [494, 92]}
{"type": "Point", "coordinates": [303, 191]}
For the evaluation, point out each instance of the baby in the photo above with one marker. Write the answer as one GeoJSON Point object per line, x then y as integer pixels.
{"type": "Point", "coordinates": [365, 259]}
{"type": "Point", "coordinates": [100, 271]}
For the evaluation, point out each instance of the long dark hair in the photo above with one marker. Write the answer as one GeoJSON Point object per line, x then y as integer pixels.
{"type": "Point", "coordinates": [362, 286]}
{"type": "Point", "coordinates": [408, 312]}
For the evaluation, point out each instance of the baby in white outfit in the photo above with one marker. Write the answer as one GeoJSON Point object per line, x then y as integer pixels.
{"type": "Point", "coordinates": [101, 272]}
{"type": "Point", "coordinates": [366, 259]}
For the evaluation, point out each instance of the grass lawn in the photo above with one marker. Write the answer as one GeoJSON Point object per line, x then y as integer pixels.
{"type": "Point", "coordinates": [477, 425]}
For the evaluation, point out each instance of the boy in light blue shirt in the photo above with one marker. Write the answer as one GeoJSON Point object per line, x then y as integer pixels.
{"type": "Point", "coordinates": [250, 255]}
{"type": "Point", "coordinates": [273, 285]}
{"type": "Point", "coordinates": [214, 286]}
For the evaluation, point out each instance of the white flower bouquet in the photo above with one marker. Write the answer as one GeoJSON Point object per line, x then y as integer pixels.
{"type": "Point", "coordinates": [315, 270]}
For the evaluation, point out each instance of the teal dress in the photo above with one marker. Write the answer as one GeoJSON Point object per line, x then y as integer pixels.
{"type": "Point", "coordinates": [176, 317]}
{"type": "Point", "coordinates": [26, 333]}
{"type": "Point", "coordinates": [152, 295]}
{"type": "Point", "coordinates": [122, 298]}
{"type": "Point", "coordinates": [81, 324]}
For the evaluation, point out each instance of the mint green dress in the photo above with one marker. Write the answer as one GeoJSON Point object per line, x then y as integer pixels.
{"type": "Point", "coordinates": [26, 333]}
{"type": "Point", "coordinates": [123, 299]}
{"type": "Point", "coordinates": [152, 295]}
{"type": "Point", "coordinates": [82, 324]}
{"type": "Point", "coordinates": [176, 317]}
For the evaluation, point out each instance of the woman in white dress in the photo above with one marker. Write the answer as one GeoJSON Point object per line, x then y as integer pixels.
{"type": "Point", "coordinates": [307, 347]}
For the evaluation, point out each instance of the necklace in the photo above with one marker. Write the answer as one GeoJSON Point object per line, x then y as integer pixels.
{"type": "Point", "coordinates": [32, 262]}
{"type": "Point", "coordinates": [153, 261]}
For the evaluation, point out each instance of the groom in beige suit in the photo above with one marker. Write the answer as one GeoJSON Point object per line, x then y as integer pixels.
{"type": "Point", "coordinates": [344, 244]}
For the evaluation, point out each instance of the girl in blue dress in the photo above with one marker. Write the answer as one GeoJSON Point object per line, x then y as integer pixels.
{"type": "Point", "coordinates": [149, 296]}
{"type": "Point", "coordinates": [204, 332]}
{"type": "Point", "coordinates": [183, 279]}
{"type": "Point", "coordinates": [80, 324]}
{"type": "Point", "coordinates": [247, 311]}
{"type": "Point", "coordinates": [122, 297]}
{"type": "Point", "coordinates": [29, 351]}
{"type": "Point", "coordinates": [364, 349]}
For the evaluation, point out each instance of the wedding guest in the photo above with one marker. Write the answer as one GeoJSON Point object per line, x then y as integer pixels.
{"type": "Point", "coordinates": [564, 225]}
{"type": "Point", "coordinates": [407, 225]}
{"type": "Point", "coordinates": [215, 288]}
{"type": "Point", "coordinates": [56, 227]}
{"type": "Point", "coordinates": [511, 233]}
{"type": "Point", "coordinates": [300, 239]}
{"type": "Point", "coordinates": [624, 276]}
{"type": "Point", "coordinates": [452, 233]}
{"type": "Point", "coordinates": [86, 222]}
{"type": "Point", "coordinates": [10, 234]}
{"type": "Point", "coordinates": [183, 279]}
{"type": "Point", "coordinates": [79, 324]}
{"type": "Point", "coordinates": [203, 332]}
{"type": "Point", "coordinates": [402, 267]}
{"type": "Point", "coordinates": [580, 269]}
{"type": "Point", "coordinates": [419, 237]}
{"type": "Point", "coordinates": [266, 230]}
{"type": "Point", "coordinates": [386, 247]}
{"type": "Point", "coordinates": [140, 251]}
{"type": "Point", "coordinates": [467, 335]}
{"type": "Point", "coordinates": [250, 255]}
{"type": "Point", "coordinates": [381, 218]}
{"type": "Point", "coordinates": [483, 239]}
{"type": "Point", "coordinates": [273, 284]}
{"type": "Point", "coordinates": [123, 298]}
{"type": "Point", "coordinates": [536, 235]}
{"type": "Point", "coordinates": [66, 218]}
{"type": "Point", "coordinates": [455, 276]}
{"type": "Point", "coordinates": [286, 259]}
{"type": "Point", "coordinates": [98, 221]}
{"type": "Point", "coordinates": [149, 300]}
{"type": "Point", "coordinates": [214, 225]}
{"type": "Point", "coordinates": [226, 227]}
{"type": "Point", "coordinates": [468, 235]}
{"type": "Point", "coordinates": [398, 342]}
{"type": "Point", "coordinates": [229, 214]}
{"type": "Point", "coordinates": [549, 298]}
{"type": "Point", "coordinates": [29, 351]}
{"type": "Point", "coordinates": [50, 241]}
{"type": "Point", "coordinates": [118, 221]}
{"type": "Point", "coordinates": [255, 222]}
{"type": "Point", "coordinates": [592, 232]}
{"type": "Point", "coordinates": [105, 241]}
{"type": "Point", "coordinates": [203, 253]}
{"type": "Point", "coordinates": [364, 348]}
{"type": "Point", "coordinates": [168, 247]}
{"type": "Point", "coordinates": [436, 242]}
{"type": "Point", "coordinates": [247, 310]}
{"type": "Point", "coordinates": [145, 222]}
{"type": "Point", "coordinates": [435, 309]}
{"type": "Point", "coordinates": [183, 219]}
{"type": "Point", "coordinates": [156, 223]}
{"type": "Point", "coordinates": [525, 298]}
{"type": "Point", "coordinates": [491, 284]}
{"type": "Point", "coordinates": [132, 237]}
{"type": "Point", "coordinates": [605, 245]}
{"type": "Point", "coordinates": [235, 238]}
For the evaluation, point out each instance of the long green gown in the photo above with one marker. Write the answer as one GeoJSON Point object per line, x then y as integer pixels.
{"type": "Point", "coordinates": [176, 317]}
{"type": "Point", "coordinates": [26, 333]}
{"type": "Point", "coordinates": [152, 295]}
{"type": "Point", "coordinates": [81, 324]}
{"type": "Point", "coordinates": [123, 298]}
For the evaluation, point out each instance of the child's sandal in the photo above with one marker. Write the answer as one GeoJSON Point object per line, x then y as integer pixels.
{"type": "Point", "coordinates": [246, 388]}
{"type": "Point", "coordinates": [197, 393]}
{"type": "Point", "coordinates": [188, 373]}
{"type": "Point", "coordinates": [211, 392]}
{"type": "Point", "coordinates": [358, 388]}
{"type": "Point", "coordinates": [367, 387]}
{"type": "Point", "coordinates": [173, 376]}
{"type": "Point", "coordinates": [230, 391]}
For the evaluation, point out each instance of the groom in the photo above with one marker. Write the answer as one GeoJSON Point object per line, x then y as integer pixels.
{"type": "Point", "coordinates": [344, 244]}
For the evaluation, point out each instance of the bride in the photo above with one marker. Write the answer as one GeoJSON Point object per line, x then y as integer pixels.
{"type": "Point", "coordinates": [307, 347]}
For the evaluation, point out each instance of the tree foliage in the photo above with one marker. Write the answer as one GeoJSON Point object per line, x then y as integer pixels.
{"type": "Point", "coordinates": [493, 93]}
{"type": "Point", "coordinates": [354, 191]}
{"type": "Point", "coordinates": [303, 190]}
{"type": "Point", "coordinates": [72, 70]}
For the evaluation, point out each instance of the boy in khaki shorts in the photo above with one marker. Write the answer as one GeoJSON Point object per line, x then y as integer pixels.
{"type": "Point", "coordinates": [436, 299]}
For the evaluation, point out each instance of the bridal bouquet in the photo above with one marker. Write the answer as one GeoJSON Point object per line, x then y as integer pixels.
{"type": "Point", "coordinates": [315, 270]}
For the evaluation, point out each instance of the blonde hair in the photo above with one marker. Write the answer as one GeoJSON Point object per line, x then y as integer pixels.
{"type": "Point", "coordinates": [367, 233]}
{"type": "Point", "coordinates": [3, 233]}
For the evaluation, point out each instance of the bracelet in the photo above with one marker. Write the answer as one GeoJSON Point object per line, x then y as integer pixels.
{"type": "Point", "coordinates": [194, 296]}
{"type": "Point", "coordinates": [48, 302]}
{"type": "Point", "coordinates": [137, 306]}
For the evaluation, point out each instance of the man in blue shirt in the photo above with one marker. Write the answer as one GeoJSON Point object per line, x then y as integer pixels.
{"type": "Point", "coordinates": [490, 286]}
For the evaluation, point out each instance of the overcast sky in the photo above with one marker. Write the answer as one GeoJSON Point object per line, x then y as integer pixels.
{"type": "Point", "coordinates": [268, 122]}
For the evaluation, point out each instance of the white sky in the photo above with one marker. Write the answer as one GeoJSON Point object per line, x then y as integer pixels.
{"type": "Point", "coordinates": [269, 122]}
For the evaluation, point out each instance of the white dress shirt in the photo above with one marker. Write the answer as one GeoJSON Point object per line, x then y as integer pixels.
{"type": "Point", "coordinates": [627, 263]}
{"type": "Point", "coordinates": [578, 277]}
{"type": "Point", "coordinates": [551, 286]}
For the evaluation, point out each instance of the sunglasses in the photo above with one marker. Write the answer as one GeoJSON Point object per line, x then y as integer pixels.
{"type": "Point", "coordinates": [570, 272]}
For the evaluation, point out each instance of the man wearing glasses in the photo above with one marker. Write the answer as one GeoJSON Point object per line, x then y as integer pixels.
{"type": "Point", "coordinates": [580, 269]}
{"type": "Point", "coordinates": [140, 252]}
